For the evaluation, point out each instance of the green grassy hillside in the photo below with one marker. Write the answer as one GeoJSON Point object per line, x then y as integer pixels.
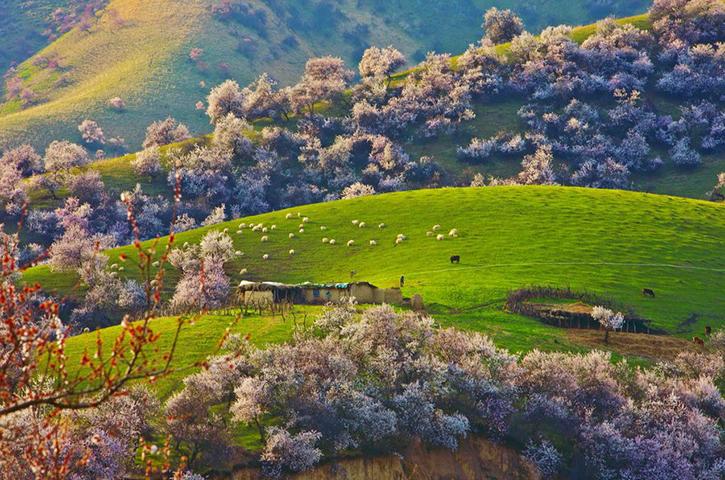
{"type": "Point", "coordinates": [613, 243]}
{"type": "Point", "coordinates": [151, 70]}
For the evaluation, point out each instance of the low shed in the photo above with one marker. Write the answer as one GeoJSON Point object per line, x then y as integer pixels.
{"type": "Point", "coordinates": [316, 293]}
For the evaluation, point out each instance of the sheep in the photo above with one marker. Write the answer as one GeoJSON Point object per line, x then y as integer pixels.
{"type": "Point", "coordinates": [402, 237]}
{"type": "Point", "coordinates": [113, 274]}
{"type": "Point", "coordinates": [242, 225]}
{"type": "Point", "coordinates": [332, 241]}
{"type": "Point", "coordinates": [453, 233]}
{"type": "Point", "coordinates": [273, 227]}
{"type": "Point", "coordinates": [226, 230]}
{"type": "Point", "coordinates": [156, 263]}
{"type": "Point", "coordinates": [265, 230]}
{"type": "Point", "coordinates": [264, 238]}
{"type": "Point", "coordinates": [440, 237]}
{"type": "Point", "coordinates": [305, 219]}
{"type": "Point", "coordinates": [121, 269]}
{"type": "Point", "coordinates": [325, 240]}
{"type": "Point", "coordinates": [265, 256]}
{"type": "Point", "coordinates": [256, 228]}
{"type": "Point", "coordinates": [243, 271]}
{"type": "Point", "coordinates": [291, 235]}
{"type": "Point", "coordinates": [299, 214]}
{"type": "Point", "coordinates": [302, 230]}
{"type": "Point", "coordinates": [355, 222]}
{"type": "Point", "coordinates": [428, 233]}
{"type": "Point", "coordinates": [382, 225]}
{"type": "Point", "coordinates": [398, 241]}
{"type": "Point", "coordinates": [436, 227]}
{"type": "Point", "coordinates": [361, 224]}
{"type": "Point", "coordinates": [288, 216]}
{"type": "Point", "coordinates": [114, 266]}
{"type": "Point", "coordinates": [373, 243]}
{"type": "Point", "coordinates": [350, 243]}
{"type": "Point", "coordinates": [292, 251]}
{"type": "Point", "coordinates": [239, 232]}
{"type": "Point", "coordinates": [239, 253]}
{"type": "Point", "coordinates": [323, 228]}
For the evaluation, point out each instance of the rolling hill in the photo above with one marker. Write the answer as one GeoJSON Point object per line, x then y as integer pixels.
{"type": "Point", "coordinates": [612, 243]}
{"type": "Point", "coordinates": [152, 71]}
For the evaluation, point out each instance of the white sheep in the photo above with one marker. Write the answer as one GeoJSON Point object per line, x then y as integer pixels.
{"type": "Point", "coordinates": [256, 228]}
{"type": "Point", "coordinates": [332, 241]}
{"type": "Point", "coordinates": [323, 228]}
{"type": "Point", "coordinates": [440, 237]}
{"type": "Point", "coordinates": [265, 230]}
{"type": "Point", "coordinates": [288, 216]}
{"type": "Point", "coordinates": [382, 225]}
{"type": "Point", "coordinates": [226, 230]}
{"type": "Point", "coordinates": [355, 222]}
{"type": "Point", "coordinates": [453, 233]}
{"type": "Point", "coordinates": [428, 233]}
{"type": "Point", "coordinates": [302, 230]}
{"type": "Point", "coordinates": [350, 243]}
{"type": "Point", "coordinates": [242, 225]}
{"type": "Point", "coordinates": [398, 241]}
{"type": "Point", "coordinates": [291, 235]}
{"type": "Point", "coordinates": [402, 237]}
{"type": "Point", "coordinates": [121, 269]}
{"type": "Point", "coordinates": [436, 227]}
{"type": "Point", "coordinates": [301, 225]}
{"type": "Point", "coordinates": [239, 232]}
{"type": "Point", "coordinates": [114, 266]}
{"type": "Point", "coordinates": [239, 253]}
{"type": "Point", "coordinates": [156, 263]}
{"type": "Point", "coordinates": [373, 243]}
{"type": "Point", "coordinates": [243, 271]}
{"type": "Point", "coordinates": [325, 240]}
{"type": "Point", "coordinates": [299, 214]}
{"type": "Point", "coordinates": [265, 256]}
{"type": "Point", "coordinates": [292, 251]}
{"type": "Point", "coordinates": [361, 224]}
{"type": "Point", "coordinates": [273, 227]}
{"type": "Point", "coordinates": [264, 238]}
{"type": "Point", "coordinates": [305, 219]}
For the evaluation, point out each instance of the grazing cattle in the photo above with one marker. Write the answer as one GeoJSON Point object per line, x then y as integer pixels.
{"type": "Point", "coordinates": [455, 259]}
{"type": "Point", "coordinates": [698, 341]}
{"type": "Point", "coordinates": [402, 281]}
{"type": "Point", "coordinates": [648, 292]}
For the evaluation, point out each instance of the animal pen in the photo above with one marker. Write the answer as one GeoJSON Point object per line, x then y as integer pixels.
{"type": "Point", "coordinates": [271, 293]}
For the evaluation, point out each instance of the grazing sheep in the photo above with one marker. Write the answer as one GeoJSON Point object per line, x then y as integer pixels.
{"type": "Point", "coordinates": [361, 224]}
{"type": "Point", "coordinates": [114, 266]}
{"type": "Point", "coordinates": [288, 216]}
{"type": "Point", "coordinates": [156, 263]}
{"type": "Point", "coordinates": [86, 330]}
{"type": "Point", "coordinates": [291, 235]}
{"type": "Point", "coordinates": [440, 237]}
{"type": "Point", "coordinates": [265, 256]}
{"type": "Point", "coordinates": [305, 219]}
{"type": "Point", "coordinates": [256, 228]}
{"type": "Point", "coordinates": [239, 232]}
{"type": "Point", "coordinates": [301, 225]}
{"type": "Point", "coordinates": [273, 227]}
{"type": "Point", "coordinates": [243, 271]}
{"type": "Point", "coordinates": [292, 252]}
{"type": "Point", "coordinates": [428, 233]}
{"type": "Point", "coordinates": [332, 241]}
{"type": "Point", "coordinates": [121, 269]}
{"type": "Point", "coordinates": [264, 238]}
{"type": "Point", "coordinates": [265, 230]}
{"type": "Point", "coordinates": [239, 253]}
{"type": "Point", "coordinates": [402, 237]}
{"type": "Point", "coordinates": [453, 233]}
{"type": "Point", "coordinates": [398, 241]}
{"type": "Point", "coordinates": [226, 230]}
{"type": "Point", "coordinates": [325, 240]}
{"type": "Point", "coordinates": [350, 243]}
{"type": "Point", "coordinates": [436, 227]}
{"type": "Point", "coordinates": [242, 225]}
{"type": "Point", "coordinates": [373, 243]}
{"type": "Point", "coordinates": [382, 225]}
{"type": "Point", "coordinates": [355, 222]}
{"type": "Point", "coordinates": [323, 228]}
{"type": "Point", "coordinates": [299, 214]}
{"type": "Point", "coordinates": [302, 230]}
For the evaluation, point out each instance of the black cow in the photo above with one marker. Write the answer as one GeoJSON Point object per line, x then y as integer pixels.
{"type": "Point", "coordinates": [455, 259]}
{"type": "Point", "coordinates": [648, 292]}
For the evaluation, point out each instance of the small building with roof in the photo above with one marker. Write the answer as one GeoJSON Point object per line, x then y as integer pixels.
{"type": "Point", "coordinates": [316, 293]}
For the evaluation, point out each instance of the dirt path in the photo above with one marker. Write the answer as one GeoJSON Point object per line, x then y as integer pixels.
{"type": "Point", "coordinates": [653, 347]}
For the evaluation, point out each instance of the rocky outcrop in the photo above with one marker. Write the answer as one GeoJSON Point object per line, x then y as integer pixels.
{"type": "Point", "coordinates": [476, 458]}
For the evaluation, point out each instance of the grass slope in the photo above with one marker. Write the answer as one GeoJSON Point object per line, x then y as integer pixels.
{"type": "Point", "coordinates": [612, 243]}
{"type": "Point", "coordinates": [150, 68]}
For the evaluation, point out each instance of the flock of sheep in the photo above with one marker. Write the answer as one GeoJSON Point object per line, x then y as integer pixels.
{"type": "Point", "coordinates": [266, 230]}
